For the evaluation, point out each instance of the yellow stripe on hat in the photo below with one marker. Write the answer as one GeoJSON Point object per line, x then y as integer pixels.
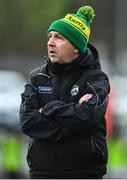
{"type": "Point", "coordinates": [77, 23]}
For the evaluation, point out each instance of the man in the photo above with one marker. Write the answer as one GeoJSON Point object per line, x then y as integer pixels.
{"type": "Point", "coordinates": [63, 107]}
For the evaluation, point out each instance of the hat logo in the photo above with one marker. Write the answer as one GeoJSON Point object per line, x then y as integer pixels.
{"type": "Point", "coordinates": [77, 23]}
{"type": "Point", "coordinates": [74, 90]}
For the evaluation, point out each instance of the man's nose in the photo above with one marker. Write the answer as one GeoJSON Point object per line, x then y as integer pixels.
{"type": "Point", "coordinates": [51, 42]}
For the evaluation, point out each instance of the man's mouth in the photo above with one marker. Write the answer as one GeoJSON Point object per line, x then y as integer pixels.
{"type": "Point", "coordinates": [52, 53]}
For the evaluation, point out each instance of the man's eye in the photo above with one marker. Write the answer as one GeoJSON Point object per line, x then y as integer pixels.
{"type": "Point", "coordinates": [60, 37]}
{"type": "Point", "coordinates": [49, 37]}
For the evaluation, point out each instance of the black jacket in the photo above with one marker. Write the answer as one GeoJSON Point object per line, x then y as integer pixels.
{"type": "Point", "coordinates": [67, 139]}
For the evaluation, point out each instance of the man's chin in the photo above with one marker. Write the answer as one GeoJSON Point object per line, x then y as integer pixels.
{"type": "Point", "coordinates": [55, 60]}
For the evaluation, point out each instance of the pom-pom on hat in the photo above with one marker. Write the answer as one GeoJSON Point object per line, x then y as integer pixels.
{"type": "Point", "coordinates": [75, 27]}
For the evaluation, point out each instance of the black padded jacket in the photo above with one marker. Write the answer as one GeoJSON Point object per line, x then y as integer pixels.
{"type": "Point", "coordinates": [67, 139]}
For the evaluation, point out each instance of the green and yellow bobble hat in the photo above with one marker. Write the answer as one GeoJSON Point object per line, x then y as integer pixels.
{"type": "Point", "coordinates": [75, 27]}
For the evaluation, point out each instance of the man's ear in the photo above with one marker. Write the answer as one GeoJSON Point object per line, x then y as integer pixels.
{"type": "Point", "coordinates": [76, 51]}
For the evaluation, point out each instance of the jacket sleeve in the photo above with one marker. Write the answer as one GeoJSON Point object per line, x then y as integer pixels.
{"type": "Point", "coordinates": [76, 116]}
{"type": "Point", "coordinates": [36, 124]}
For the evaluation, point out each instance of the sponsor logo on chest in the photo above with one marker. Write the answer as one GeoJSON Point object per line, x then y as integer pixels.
{"type": "Point", "coordinates": [45, 89]}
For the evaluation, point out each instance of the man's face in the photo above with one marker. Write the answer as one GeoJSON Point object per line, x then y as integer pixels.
{"type": "Point", "coordinates": [60, 50]}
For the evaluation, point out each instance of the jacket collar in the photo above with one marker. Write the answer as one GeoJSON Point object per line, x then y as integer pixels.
{"type": "Point", "coordinates": [88, 60]}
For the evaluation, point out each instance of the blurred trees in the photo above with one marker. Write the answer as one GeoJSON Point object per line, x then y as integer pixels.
{"type": "Point", "coordinates": [23, 23]}
{"type": "Point", "coordinates": [23, 26]}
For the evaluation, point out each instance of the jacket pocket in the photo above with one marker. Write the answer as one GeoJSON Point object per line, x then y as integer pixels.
{"type": "Point", "coordinates": [30, 147]}
{"type": "Point", "coordinates": [99, 152]}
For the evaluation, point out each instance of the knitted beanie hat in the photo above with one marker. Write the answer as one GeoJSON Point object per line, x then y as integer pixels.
{"type": "Point", "coordinates": [75, 27]}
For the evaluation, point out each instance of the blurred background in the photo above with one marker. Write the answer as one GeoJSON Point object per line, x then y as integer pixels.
{"type": "Point", "coordinates": [23, 37]}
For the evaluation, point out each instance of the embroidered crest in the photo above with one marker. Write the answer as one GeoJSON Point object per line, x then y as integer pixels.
{"type": "Point", "coordinates": [74, 90]}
